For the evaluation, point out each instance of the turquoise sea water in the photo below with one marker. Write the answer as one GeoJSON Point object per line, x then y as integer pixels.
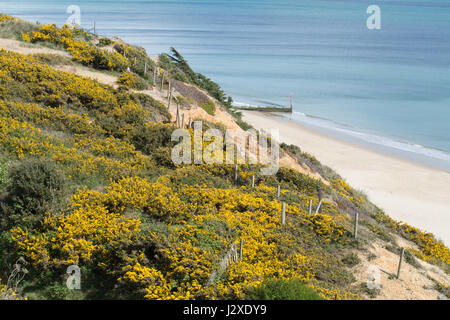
{"type": "Point", "coordinates": [388, 88]}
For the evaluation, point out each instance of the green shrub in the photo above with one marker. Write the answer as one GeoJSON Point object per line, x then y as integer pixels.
{"type": "Point", "coordinates": [3, 174]}
{"type": "Point", "coordinates": [59, 291]}
{"type": "Point", "coordinates": [351, 259]}
{"type": "Point", "coordinates": [104, 42]}
{"type": "Point", "coordinates": [180, 69]}
{"type": "Point", "coordinates": [158, 111]}
{"type": "Point", "coordinates": [209, 107]}
{"type": "Point", "coordinates": [243, 125]}
{"type": "Point", "coordinates": [282, 290]}
{"type": "Point", "coordinates": [163, 157]}
{"type": "Point", "coordinates": [149, 138]}
{"type": "Point", "coordinates": [35, 186]}
{"type": "Point", "coordinates": [298, 181]}
{"type": "Point", "coordinates": [104, 60]}
{"type": "Point", "coordinates": [137, 58]}
{"type": "Point", "coordinates": [381, 232]}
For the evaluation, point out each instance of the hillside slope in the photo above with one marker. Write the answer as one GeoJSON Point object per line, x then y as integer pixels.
{"type": "Point", "coordinates": [86, 178]}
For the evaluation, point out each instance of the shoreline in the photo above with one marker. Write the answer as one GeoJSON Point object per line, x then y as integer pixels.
{"type": "Point", "coordinates": [406, 190]}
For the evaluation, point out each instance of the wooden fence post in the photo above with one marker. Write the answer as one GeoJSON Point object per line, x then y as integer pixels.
{"type": "Point", "coordinates": [242, 247]}
{"type": "Point", "coordinates": [145, 68]}
{"type": "Point", "coordinates": [310, 206]}
{"type": "Point", "coordinates": [178, 115]}
{"type": "Point", "coordinates": [169, 99]}
{"type": "Point", "coordinates": [278, 191]}
{"type": "Point", "coordinates": [253, 181]}
{"type": "Point", "coordinates": [236, 173]}
{"type": "Point", "coordinates": [169, 91]}
{"type": "Point", "coordinates": [283, 213]}
{"type": "Point", "coordinates": [356, 224]}
{"type": "Point", "coordinates": [400, 263]}
{"type": "Point", "coordinates": [162, 81]}
{"type": "Point", "coordinates": [318, 207]}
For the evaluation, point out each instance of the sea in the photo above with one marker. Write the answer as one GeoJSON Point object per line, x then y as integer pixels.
{"type": "Point", "coordinates": [387, 88]}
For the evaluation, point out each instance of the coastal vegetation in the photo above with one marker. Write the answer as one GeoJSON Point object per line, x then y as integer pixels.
{"type": "Point", "coordinates": [264, 109]}
{"type": "Point", "coordinates": [86, 179]}
{"type": "Point", "coordinates": [180, 69]}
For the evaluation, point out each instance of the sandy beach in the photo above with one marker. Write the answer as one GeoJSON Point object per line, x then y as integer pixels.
{"type": "Point", "coordinates": [407, 191]}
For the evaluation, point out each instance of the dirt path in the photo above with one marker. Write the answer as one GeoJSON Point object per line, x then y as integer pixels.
{"type": "Point", "coordinates": [89, 73]}
{"type": "Point", "coordinates": [25, 48]}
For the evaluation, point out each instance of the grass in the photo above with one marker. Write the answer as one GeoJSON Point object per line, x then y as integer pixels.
{"type": "Point", "coordinates": [351, 260]}
{"type": "Point", "coordinates": [13, 29]}
{"type": "Point", "coordinates": [411, 259]}
{"type": "Point", "coordinates": [53, 59]}
{"type": "Point", "coordinates": [441, 287]}
{"type": "Point", "coordinates": [283, 290]}
{"type": "Point", "coordinates": [379, 231]}
{"type": "Point", "coordinates": [264, 109]}
{"type": "Point", "coordinates": [209, 107]}
{"type": "Point", "coordinates": [237, 116]}
{"type": "Point", "coordinates": [372, 293]}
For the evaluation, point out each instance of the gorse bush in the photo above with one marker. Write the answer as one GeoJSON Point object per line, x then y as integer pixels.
{"type": "Point", "coordinates": [35, 186]}
{"type": "Point", "coordinates": [138, 59]}
{"type": "Point", "coordinates": [104, 42]}
{"type": "Point", "coordinates": [188, 251]}
{"type": "Point", "coordinates": [298, 181]}
{"type": "Point", "coordinates": [77, 103]}
{"type": "Point", "coordinates": [74, 41]}
{"type": "Point", "coordinates": [163, 157]}
{"type": "Point", "coordinates": [5, 17]}
{"type": "Point", "coordinates": [131, 80]}
{"type": "Point", "coordinates": [24, 79]}
{"type": "Point", "coordinates": [149, 137]}
{"type": "Point", "coordinates": [430, 249]}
